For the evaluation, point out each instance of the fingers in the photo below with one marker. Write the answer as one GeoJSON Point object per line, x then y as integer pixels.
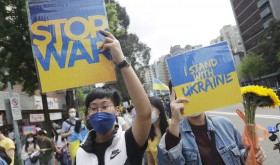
{"type": "Point", "coordinates": [181, 100]}
{"type": "Point", "coordinates": [178, 105]}
{"type": "Point", "coordinates": [107, 40]}
{"type": "Point", "coordinates": [178, 100]}
{"type": "Point", "coordinates": [107, 34]}
{"type": "Point", "coordinates": [260, 156]}
{"type": "Point", "coordinates": [106, 46]}
{"type": "Point", "coordinates": [172, 97]}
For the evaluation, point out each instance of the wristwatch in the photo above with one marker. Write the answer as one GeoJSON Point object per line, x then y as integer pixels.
{"type": "Point", "coordinates": [125, 63]}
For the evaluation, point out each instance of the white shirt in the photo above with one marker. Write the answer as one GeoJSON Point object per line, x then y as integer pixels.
{"type": "Point", "coordinates": [128, 120]}
{"type": "Point", "coordinates": [11, 135]}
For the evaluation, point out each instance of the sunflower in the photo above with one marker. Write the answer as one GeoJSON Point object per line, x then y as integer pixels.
{"type": "Point", "coordinates": [257, 96]}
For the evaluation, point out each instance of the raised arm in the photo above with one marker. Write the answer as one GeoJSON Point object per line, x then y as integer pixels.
{"type": "Point", "coordinates": [142, 124]}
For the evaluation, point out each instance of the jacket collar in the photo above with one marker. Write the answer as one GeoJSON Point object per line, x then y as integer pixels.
{"type": "Point", "coordinates": [87, 145]}
{"type": "Point", "coordinates": [186, 127]}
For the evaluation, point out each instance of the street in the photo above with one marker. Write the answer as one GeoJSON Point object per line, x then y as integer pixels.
{"type": "Point", "coordinates": [264, 117]}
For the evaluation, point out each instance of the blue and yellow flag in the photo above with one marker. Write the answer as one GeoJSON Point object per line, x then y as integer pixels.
{"type": "Point", "coordinates": [158, 85]}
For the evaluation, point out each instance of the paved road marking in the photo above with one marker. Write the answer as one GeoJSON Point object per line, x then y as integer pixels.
{"type": "Point", "coordinates": [257, 115]}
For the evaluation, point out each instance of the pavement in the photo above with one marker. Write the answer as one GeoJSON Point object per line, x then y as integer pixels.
{"type": "Point", "coordinates": [264, 117]}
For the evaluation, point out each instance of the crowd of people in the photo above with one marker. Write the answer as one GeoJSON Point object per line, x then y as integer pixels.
{"type": "Point", "coordinates": [147, 132]}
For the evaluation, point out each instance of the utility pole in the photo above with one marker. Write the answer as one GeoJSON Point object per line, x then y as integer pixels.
{"type": "Point", "coordinates": [15, 124]}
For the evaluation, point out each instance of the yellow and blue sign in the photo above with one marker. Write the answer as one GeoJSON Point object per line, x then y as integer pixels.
{"type": "Point", "coordinates": [207, 77]}
{"type": "Point", "coordinates": [65, 40]}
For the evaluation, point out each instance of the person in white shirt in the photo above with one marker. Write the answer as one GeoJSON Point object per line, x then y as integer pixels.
{"type": "Point", "coordinates": [11, 135]}
{"type": "Point", "coordinates": [128, 116]}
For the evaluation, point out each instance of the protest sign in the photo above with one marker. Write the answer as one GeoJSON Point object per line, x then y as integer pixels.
{"type": "Point", "coordinates": [205, 76]}
{"type": "Point", "coordinates": [29, 129]}
{"type": "Point", "coordinates": [65, 39]}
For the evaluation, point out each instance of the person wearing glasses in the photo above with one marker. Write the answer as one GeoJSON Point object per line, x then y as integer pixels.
{"type": "Point", "coordinates": [105, 144]}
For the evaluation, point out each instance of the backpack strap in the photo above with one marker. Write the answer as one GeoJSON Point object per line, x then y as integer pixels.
{"type": "Point", "coordinates": [70, 123]}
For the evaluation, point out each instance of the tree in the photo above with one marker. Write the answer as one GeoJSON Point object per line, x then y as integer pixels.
{"type": "Point", "coordinates": [15, 50]}
{"type": "Point", "coordinates": [133, 48]}
{"type": "Point", "coordinates": [80, 103]}
{"type": "Point", "coordinates": [252, 66]}
{"type": "Point", "coordinates": [270, 47]}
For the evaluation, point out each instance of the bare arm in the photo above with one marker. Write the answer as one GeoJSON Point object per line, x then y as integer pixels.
{"type": "Point", "coordinates": [65, 144]}
{"type": "Point", "coordinates": [150, 158]}
{"type": "Point", "coordinates": [142, 124]}
{"type": "Point", "coordinates": [11, 153]}
{"type": "Point", "coordinates": [65, 135]}
{"type": "Point", "coordinates": [55, 145]}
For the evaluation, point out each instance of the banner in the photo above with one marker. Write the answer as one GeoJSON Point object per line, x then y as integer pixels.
{"type": "Point", "coordinates": [29, 129]}
{"type": "Point", "coordinates": [65, 40]}
{"type": "Point", "coordinates": [52, 103]}
{"type": "Point", "coordinates": [56, 116]}
{"type": "Point", "coordinates": [36, 118]}
{"type": "Point", "coordinates": [205, 76]}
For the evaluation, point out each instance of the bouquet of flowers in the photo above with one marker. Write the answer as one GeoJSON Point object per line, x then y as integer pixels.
{"type": "Point", "coordinates": [254, 97]}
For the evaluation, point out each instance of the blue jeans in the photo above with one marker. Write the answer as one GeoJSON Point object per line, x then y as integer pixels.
{"type": "Point", "coordinates": [65, 159]}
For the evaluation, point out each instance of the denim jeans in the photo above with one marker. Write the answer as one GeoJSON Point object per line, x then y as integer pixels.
{"type": "Point", "coordinates": [65, 159]}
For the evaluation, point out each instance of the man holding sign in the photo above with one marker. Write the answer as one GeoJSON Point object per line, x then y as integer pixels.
{"type": "Point", "coordinates": [106, 144]}
{"type": "Point", "coordinates": [201, 139]}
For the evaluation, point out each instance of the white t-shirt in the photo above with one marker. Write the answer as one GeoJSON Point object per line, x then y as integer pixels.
{"type": "Point", "coordinates": [128, 120]}
{"type": "Point", "coordinates": [121, 122]}
{"type": "Point", "coordinates": [11, 135]}
{"type": "Point", "coordinates": [59, 142]}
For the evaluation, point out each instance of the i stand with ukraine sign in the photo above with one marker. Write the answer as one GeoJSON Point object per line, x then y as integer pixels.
{"type": "Point", "coordinates": [65, 39]}
{"type": "Point", "coordinates": [205, 76]}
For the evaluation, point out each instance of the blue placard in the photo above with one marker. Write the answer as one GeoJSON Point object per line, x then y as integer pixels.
{"type": "Point", "coordinates": [65, 41]}
{"type": "Point", "coordinates": [205, 76]}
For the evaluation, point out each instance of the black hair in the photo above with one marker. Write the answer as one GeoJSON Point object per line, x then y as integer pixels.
{"type": "Point", "coordinates": [42, 132]}
{"type": "Point", "coordinates": [129, 109]}
{"type": "Point", "coordinates": [27, 143]}
{"type": "Point", "coordinates": [163, 124]}
{"type": "Point", "coordinates": [101, 93]}
{"type": "Point", "coordinates": [71, 108]}
{"type": "Point", "coordinates": [5, 156]}
{"type": "Point", "coordinates": [78, 126]}
{"type": "Point", "coordinates": [54, 134]}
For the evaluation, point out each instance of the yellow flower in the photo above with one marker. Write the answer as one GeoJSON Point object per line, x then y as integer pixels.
{"type": "Point", "coordinates": [257, 96]}
{"type": "Point", "coordinates": [262, 92]}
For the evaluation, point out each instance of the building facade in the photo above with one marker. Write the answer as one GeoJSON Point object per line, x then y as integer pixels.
{"type": "Point", "coordinates": [146, 74]}
{"type": "Point", "coordinates": [230, 34]}
{"type": "Point", "coordinates": [252, 18]}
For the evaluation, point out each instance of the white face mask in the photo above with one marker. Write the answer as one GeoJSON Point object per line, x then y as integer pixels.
{"type": "Point", "coordinates": [29, 139]}
{"type": "Point", "coordinates": [58, 131]}
{"type": "Point", "coordinates": [154, 117]}
{"type": "Point", "coordinates": [72, 114]}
